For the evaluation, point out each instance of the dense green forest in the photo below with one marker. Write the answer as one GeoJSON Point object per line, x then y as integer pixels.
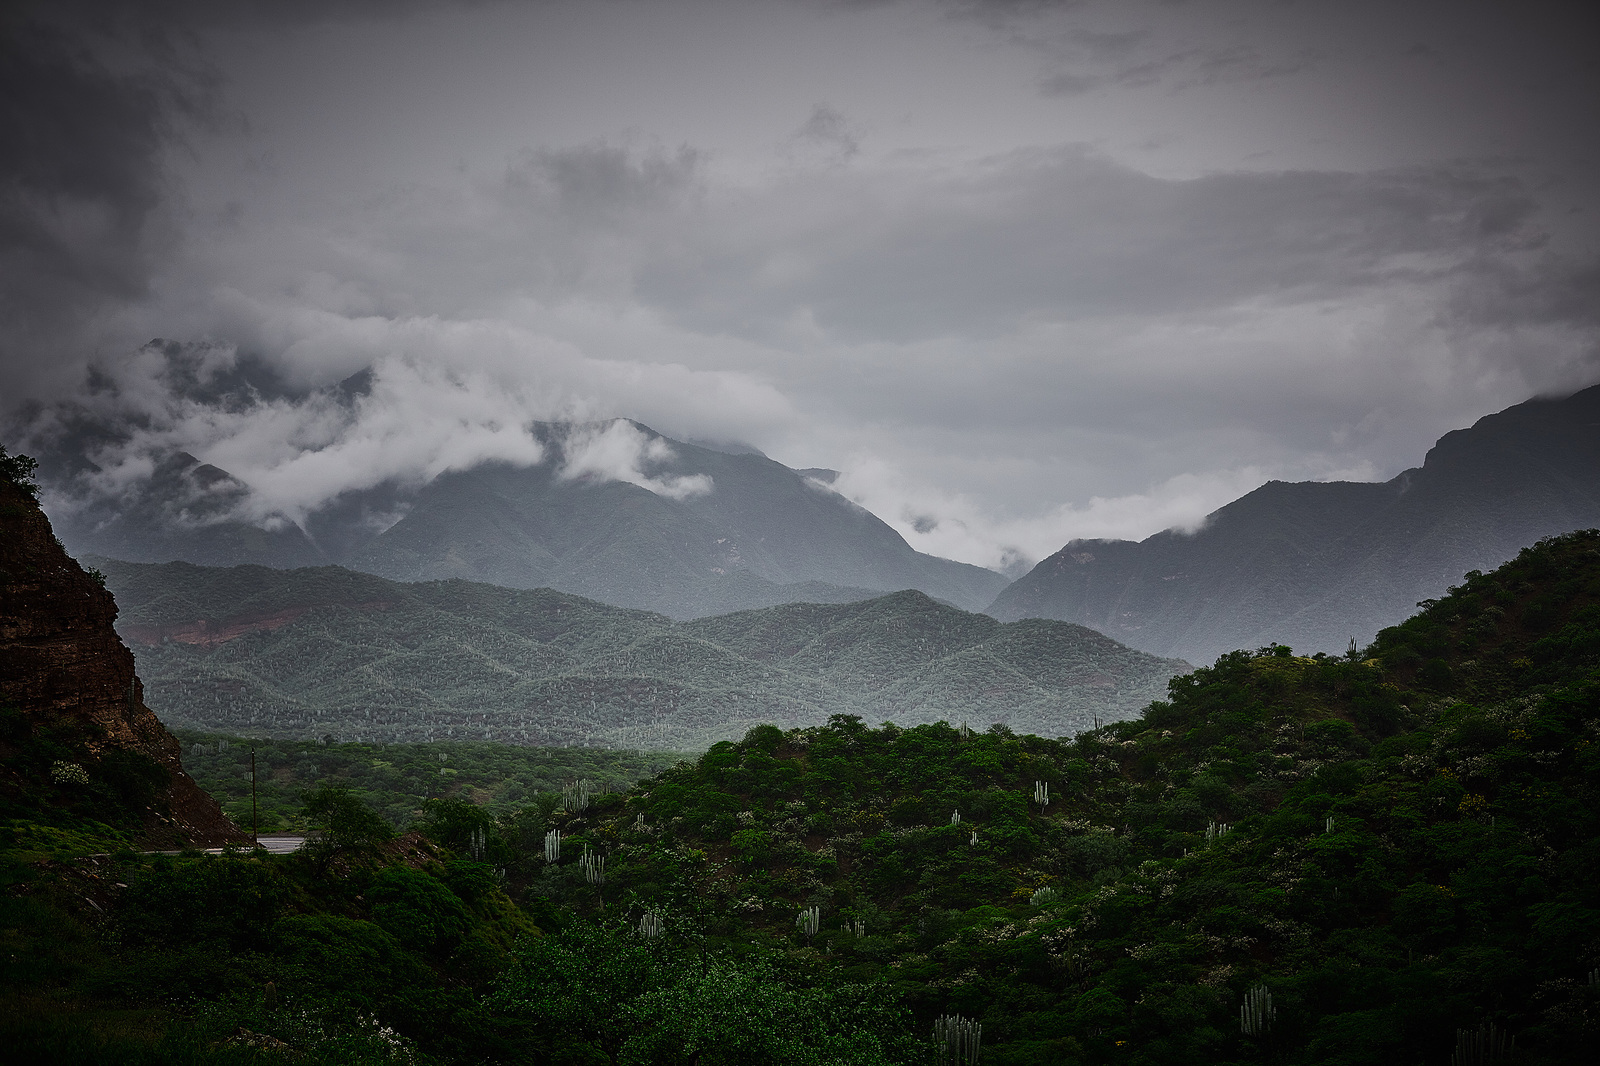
{"type": "Point", "coordinates": [325, 651]}
{"type": "Point", "coordinates": [1382, 857]}
{"type": "Point", "coordinates": [396, 779]}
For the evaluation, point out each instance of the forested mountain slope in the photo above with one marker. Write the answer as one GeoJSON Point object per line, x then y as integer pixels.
{"type": "Point", "coordinates": [1390, 854]}
{"type": "Point", "coordinates": [697, 531]}
{"type": "Point", "coordinates": [328, 651]}
{"type": "Point", "coordinates": [1315, 565]}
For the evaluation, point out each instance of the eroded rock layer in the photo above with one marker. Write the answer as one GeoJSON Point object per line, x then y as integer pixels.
{"type": "Point", "coordinates": [76, 726]}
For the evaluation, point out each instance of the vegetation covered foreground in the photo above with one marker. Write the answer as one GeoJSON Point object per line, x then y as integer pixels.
{"type": "Point", "coordinates": [1384, 857]}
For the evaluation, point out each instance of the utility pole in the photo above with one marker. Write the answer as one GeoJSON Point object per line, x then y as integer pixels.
{"type": "Point", "coordinates": [254, 837]}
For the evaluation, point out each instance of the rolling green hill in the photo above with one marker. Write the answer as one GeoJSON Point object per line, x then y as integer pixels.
{"type": "Point", "coordinates": [1387, 857]}
{"type": "Point", "coordinates": [326, 651]}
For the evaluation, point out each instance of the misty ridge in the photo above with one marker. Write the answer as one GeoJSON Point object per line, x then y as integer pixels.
{"type": "Point", "coordinates": [414, 474]}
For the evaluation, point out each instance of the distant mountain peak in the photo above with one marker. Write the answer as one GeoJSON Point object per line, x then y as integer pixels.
{"type": "Point", "coordinates": [1317, 564]}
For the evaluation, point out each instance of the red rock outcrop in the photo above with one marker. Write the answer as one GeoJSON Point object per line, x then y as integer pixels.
{"type": "Point", "coordinates": [64, 668]}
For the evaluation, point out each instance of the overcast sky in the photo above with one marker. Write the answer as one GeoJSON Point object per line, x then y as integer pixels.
{"type": "Point", "coordinates": [1023, 271]}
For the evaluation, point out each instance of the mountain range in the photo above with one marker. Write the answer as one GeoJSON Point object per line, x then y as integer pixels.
{"type": "Point", "coordinates": [699, 530]}
{"type": "Point", "coordinates": [618, 513]}
{"type": "Point", "coordinates": [327, 651]}
{"type": "Point", "coordinates": [1317, 565]}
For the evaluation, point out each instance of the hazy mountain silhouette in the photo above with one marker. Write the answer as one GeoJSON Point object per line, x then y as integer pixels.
{"type": "Point", "coordinates": [746, 532]}
{"type": "Point", "coordinates": [1316, 564]}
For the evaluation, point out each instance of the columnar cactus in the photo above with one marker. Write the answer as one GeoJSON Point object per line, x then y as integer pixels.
{"type": "Point", "coordinates": [651, 925]}
{"type": "Point", "coordinates": [1479, 1047]}
{"type": "Point", "coordinates": [576, 795]}
{"type": "Point", "coordinates": [1256, 1013]}
{"type": "Point", "coordinates": [593, 866]}
{"type": "Point", "coordinates": [958, 1039]}
{"type": "Point", "coordinates": [809, 921]}
{"type": "Point", "coordinates": [1044, 895]}
{"type": "Point", "coordinates": [552, 846]}
{"type": "Point", "coordinates": [1041, 794]}
{"type": "Point", "coordinates": [955, 817]}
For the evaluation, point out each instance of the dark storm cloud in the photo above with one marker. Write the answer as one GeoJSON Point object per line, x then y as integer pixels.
{"type": "Point", "coordinates": [92, 93]}
{"type": "Point", "coordinates": [79, 176]}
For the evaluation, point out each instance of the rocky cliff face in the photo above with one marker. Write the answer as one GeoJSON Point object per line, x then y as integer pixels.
{"type": "Point", "coordinates": [77, 734]}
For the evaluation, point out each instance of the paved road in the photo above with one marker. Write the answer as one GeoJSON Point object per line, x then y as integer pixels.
{"type": "Point", "coordinates": [275, 845]}
{"type": "Point", "coordinates": [281, 845]}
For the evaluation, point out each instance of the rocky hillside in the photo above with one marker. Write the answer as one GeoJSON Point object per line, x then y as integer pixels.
{"type": "Point", "coordinates": [1315, 565]}
{"type": "Point", "coordinates": [76, 739]}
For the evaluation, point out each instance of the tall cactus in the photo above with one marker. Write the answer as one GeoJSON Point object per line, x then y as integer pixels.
{"type": "Point", "coordinates": [955, 817]}
{"type": "Point", "coordinates": [552, 846]}
{"type": "Point", "coordinates": [809, 921]}
{"type": "Point", "coordinates": [1041, 794]}
{"type": "Point", "coordinates": [576, 795]}
{"type": "Point", "coordinates": [651, 925]}
{"type": "Point", "coordinates": [593, 866]}
{"type": "Point", "coordinates": [1257, 1013]}
{"type": "Point", "coordinates": [958, 1039]}
{"type": "Point", "coordinates": [1486, 1044]}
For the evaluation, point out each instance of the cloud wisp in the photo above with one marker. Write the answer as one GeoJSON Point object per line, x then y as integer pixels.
{"type": "Point", "coordinates": [621, 451]}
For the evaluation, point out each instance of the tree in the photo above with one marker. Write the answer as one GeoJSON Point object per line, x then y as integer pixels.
{"type": "Point", "coordinates": [345, 825]}
{"type": "Point", "coordinates": [19, 470]}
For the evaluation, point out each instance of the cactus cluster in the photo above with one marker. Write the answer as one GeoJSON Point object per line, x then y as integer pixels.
{"type": "Point", "coordinates": [958, 1039]}
{"type": "Point", "coordinates": [593, 865]}
{"type": "Point", "coordinates": [576, 795]}
{"type": "Point", "coordinates": [1256, 1013]}
{"type": "Point", "coordinates": [1483, 1045]}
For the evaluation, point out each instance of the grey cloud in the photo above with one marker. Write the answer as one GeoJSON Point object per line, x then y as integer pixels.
{"type": "Point", "coordinates": [92, 92]}
{"type": "Point", "coordinates": [1119, 64]}
{"type": "Point", "coordinates": [601, 184]}
{"type": "Point", "coordinates": [829, 130]}
{"type": "Point", "coordinates": [1063, 235]}
{"type": "Point", "coordinates": [79, 177]}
